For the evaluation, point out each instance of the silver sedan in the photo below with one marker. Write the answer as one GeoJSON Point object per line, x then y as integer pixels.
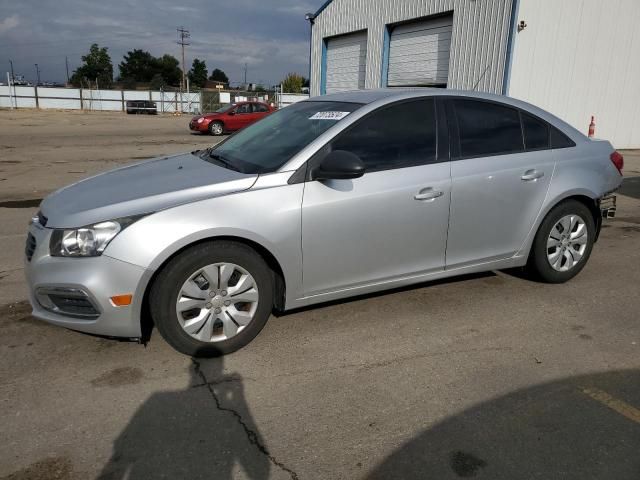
{"type": "Point", "coordinates": [337, 196]}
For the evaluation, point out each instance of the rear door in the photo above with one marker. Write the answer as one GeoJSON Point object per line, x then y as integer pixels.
{"type": "Point", "coordinates": [498, 185]}
{"type": "Point", "coordinates": [260, 110]}
{"type": "Point", "coordinates": [390, 223]}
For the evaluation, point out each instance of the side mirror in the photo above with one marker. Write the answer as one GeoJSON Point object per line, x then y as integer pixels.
{"type": "Point", "coordinates": [232, 112]}
{"type": "Point", "coordinates": [339, 165]}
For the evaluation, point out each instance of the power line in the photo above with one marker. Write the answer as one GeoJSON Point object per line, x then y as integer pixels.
{"type": "Point", "coordinates": [183, 36]}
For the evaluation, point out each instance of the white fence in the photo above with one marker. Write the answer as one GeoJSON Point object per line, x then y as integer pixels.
{"type": "Point", "coordinates": [284, 99]}
{"type": "Point", "coordinates": [85, 99]}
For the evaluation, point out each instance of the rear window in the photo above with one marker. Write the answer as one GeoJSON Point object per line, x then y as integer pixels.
{"type": "Point", "coordinates": [487, 128]}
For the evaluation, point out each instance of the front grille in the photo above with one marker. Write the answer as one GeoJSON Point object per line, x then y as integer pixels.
{"type": "Point", "coordinates": [73, 305]}
{"type": "Point", "coordinates": [30, 247]}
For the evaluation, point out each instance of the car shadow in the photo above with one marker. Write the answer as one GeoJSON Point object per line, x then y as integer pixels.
{"type": "Point", "coordinates": [585, 427]}
{"type": "Point", "coordinates": [205, 430]}
{"type": "Point", "coordinates": [630, 187]}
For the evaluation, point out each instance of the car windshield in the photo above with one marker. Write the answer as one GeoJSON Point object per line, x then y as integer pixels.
{"type": "Point", "coordinates": [268, 144]}
{"type": "Point", "coordinates": [224, 107]}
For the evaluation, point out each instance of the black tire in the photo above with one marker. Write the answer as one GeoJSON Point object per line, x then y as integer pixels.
{"type": "Point", "coordinates": [165, 290]}
{"type": "Point", "coordinates": [538, 265]}
{"type": "Point", "coordinates": [211, 125]}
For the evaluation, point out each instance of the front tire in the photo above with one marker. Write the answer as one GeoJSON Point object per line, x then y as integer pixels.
{"type": "Point", "coordinates": [563, 243]}
{"type": "Point", "coordinates": [212, 299]}
{"type": "Point", "coordinates": [216, 128]}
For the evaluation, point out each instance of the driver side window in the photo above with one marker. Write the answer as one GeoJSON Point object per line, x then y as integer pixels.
{"type": "Point", "coordinates": [244, 108]}
{"type": "Point", "coordinates": [397, 136]}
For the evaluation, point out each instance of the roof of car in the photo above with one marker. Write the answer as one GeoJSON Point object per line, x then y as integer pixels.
{"type": "Point", "coordinates": [372, 95]}
{"type": "Point", "coordinates": [386, 95]}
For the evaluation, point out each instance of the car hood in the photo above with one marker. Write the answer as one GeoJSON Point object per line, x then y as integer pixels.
{"type": "Point", "coordinates": [206, 116]}
{"type": "Point", "coordinates": [140, 188]}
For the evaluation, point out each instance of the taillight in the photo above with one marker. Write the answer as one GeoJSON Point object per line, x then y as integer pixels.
{"type": "Point", "coordinates": [618, 161]}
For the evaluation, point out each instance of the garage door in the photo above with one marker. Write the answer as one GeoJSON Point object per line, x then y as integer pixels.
{"type": "Point", "coordinates": [346, 62]}
{"type": "Point", "coordinates": [419, 53]}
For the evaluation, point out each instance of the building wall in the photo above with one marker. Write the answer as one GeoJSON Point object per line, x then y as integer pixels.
{"type": "Point", "coordinates": [578, 58]}
{"type": "Point", "coordinates": [478, 44]}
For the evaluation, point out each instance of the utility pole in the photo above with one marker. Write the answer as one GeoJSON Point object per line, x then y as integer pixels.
{"type": "Point", "coordinates": [13, 83]}
{"type": "Point", "coordinates": [245, 75]}
{"type": "Point", "coordinates": [37, 75]}
{"type": "Point", "coordinates": [183, 40]}
{"type": "Point", "coordinates": [66, 63]}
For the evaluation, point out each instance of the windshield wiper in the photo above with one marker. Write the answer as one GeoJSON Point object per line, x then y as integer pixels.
{"type": "Point", "coordinates": [220, 159]}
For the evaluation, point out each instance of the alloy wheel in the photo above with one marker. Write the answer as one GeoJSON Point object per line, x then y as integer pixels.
{"type": "Point", "coordinates": [567, 243]}
{"type": "Point", "coordinates": [217, 302]}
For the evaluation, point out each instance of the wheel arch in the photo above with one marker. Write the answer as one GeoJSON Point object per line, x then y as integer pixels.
{"type": "Point", "coordinates": [216, 120]}
{"type": "Point", "coordinates": [586, 197]}
{"type": "Point", "coordinates": [146, 322]}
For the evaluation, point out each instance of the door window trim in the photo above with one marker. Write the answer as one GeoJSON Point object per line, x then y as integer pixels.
{"type": "Point", "coordinates": [303, 173]}
{"type": "Point", "coordinates": [454, 131]}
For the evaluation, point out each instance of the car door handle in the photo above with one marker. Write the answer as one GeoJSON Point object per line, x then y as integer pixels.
{"type": "Point", "coordinates": [531, 175]}
{"type": "Point", "coordinates": [428, 194]}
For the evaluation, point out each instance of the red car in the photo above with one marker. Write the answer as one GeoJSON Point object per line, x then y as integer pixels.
{"type": "Point", "coordinates": [230, 117]}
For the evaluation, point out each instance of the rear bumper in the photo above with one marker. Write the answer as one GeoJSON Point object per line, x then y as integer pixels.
{"type": "Point", "coordinates": [94, 279]}
{"type": "Point", "coordinates": [607, 206]}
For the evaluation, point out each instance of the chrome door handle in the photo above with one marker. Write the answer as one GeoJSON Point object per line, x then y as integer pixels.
{"type": "Point", "coordinates": [428, 194]}
{"type": "Point", "coordinates": [531, 175]}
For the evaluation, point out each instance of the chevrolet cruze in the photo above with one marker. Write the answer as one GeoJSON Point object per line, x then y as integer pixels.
{"type": "Point", "coordinates": [329, 198]}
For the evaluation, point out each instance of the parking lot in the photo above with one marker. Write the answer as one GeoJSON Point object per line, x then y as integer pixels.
{"type": "Point", "coordinates": [489, 376]}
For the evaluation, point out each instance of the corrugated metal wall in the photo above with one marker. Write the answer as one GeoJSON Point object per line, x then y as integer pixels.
{"type": "Point", "coordinates": [578, 58]}
{"type": "Point", "coordinates": [478, 44]}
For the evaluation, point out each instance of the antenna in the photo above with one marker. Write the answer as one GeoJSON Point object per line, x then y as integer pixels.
{"type": "Point", "coordinates": [480, 79]}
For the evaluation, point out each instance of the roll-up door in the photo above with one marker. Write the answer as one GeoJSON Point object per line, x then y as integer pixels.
{"type": "Point", "coordinates": [346, 62]}
{"type": "Point", "coordinates": [419, 53]}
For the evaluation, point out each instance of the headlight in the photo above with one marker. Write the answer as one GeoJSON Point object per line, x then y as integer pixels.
{"type": "Point", "coordinates": [200, 120]}
{"type": "Point", "coordinates": [87, 241]}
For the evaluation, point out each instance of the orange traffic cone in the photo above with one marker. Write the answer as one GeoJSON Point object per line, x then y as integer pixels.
{"type": "Point", "coordinates": [592, 127]}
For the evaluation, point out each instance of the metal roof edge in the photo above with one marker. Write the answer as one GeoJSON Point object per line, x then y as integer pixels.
{"type": "Point", "coordinates": [324, 5]}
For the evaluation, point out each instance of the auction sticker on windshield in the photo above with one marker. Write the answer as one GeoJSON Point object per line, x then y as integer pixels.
{"type": "Point", "coordinates": [329, 115]}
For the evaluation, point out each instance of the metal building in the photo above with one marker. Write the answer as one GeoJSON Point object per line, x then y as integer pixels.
{"type": "Point", "coordinates": [574, 58]}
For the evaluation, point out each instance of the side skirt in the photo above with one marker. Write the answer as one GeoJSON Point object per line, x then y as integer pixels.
{"type": "Point", "coordinates": [517, 261]}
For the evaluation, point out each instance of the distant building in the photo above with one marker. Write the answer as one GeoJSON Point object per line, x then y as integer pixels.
{"type": "Point", "coordinates": [575, 58]}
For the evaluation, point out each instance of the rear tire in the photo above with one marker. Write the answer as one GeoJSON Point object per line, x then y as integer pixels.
{"type": "Point", "coordinates": [563, 244]}
{"type": "Point", "coordinates": [226, 327]}
{"type": "Point", "coordinates": [216, 128]}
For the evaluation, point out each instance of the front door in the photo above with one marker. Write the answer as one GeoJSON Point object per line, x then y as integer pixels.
{"type": "Point", "coordinates": [499, 181]}
{"type": "Point", "coordinates": [390, 223]}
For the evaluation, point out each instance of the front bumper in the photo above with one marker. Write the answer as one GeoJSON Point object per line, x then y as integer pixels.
{"type": "Point", "coordinates": [199, 127]}
{"type": "Point", "coordinates": [100, 278]}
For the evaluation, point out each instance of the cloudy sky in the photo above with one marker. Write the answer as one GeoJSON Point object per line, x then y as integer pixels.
{"type": "Point", "coordinates": [271, 36]}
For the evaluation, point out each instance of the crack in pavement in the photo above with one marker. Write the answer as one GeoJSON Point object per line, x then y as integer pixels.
{"type": "Point", "coordinates": [251, 435]}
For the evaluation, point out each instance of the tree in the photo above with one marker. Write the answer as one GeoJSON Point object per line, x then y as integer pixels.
{"type": "Point", "coordinates": [138, 65]}
{"type": "Point", "coordinates": [97, 67]}
{"type": "Point", "coordinates": [157, 82]}
{"type": "Point", "coordinates": [169, 68]}
{"type": "Point", "coordinates": [219, 75]}
{"type": "Point", "coordinates": [198, 73]}
{"type": "Point", "coordinates": [293, 83]}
